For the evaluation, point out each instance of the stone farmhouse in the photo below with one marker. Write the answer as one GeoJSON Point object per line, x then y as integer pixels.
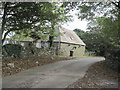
{"type": "Point", "coordinates": [66, 42]}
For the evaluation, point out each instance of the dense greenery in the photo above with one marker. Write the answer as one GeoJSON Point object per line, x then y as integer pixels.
{"type": "Point", "coordinates": [104, 24]}
{"type": "Point", "coordinates": [79, 32]}
{"type": "Point", "coordinates": [94, 41]}
{"type": "Point", "coordinates": [12, 50]}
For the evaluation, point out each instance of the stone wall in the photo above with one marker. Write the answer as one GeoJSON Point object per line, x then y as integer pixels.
{"type": "Point", "coordinates": [23, 52]}
{"type": "Point", "coordinates": [14, 51]}
{"type": "Point", "coordinates": [65, 49]}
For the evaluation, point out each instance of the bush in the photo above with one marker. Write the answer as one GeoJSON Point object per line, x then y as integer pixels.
{"type": "Point", "coordinates": [113, 58]}
{"type": "Point", "coordinates": [29, 51]}
{"type": "Point", "coordinates": [12, 50]}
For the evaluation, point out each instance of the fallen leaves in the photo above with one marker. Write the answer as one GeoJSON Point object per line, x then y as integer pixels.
{"type": "Point", "coordinates": [97, 76]}
{"type": "Point", "coordinates": [26, 63]}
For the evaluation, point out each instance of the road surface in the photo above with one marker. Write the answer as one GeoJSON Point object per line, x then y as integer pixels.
{"type": "Point", "coordinates": [56, 75]}
{"type": "Point", "coordinates": [0, 70]}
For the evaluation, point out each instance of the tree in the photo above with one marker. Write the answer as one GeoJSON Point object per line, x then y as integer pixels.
{"type": "Point", "coordinates": [108, 27]}
{"type": "Point", "coordinates": [110, 10]}
{"type": "Point", "coordinates": [79, 32]}
{"type": "Point", "coordinates": [107, 24]}
{"type": "Point", "coordinates": [94, 41]}
{"type": "Point", "coordinates": [33, 17]}
{"type": "Point", "coordinates": [19, 16]}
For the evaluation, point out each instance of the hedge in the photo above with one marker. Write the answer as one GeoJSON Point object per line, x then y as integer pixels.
{"type": "Point", "coordinates": [113, 58]}
{"type": "Point", "coordinates": [12, 50]}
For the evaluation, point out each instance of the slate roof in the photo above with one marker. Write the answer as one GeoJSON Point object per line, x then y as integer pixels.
{"type": "Point", "coordinates": [69, 36]}
{"type": "Point", "coordinates": [66, 36]}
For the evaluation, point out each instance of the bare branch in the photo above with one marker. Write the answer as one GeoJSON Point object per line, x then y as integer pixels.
{"type": "Point", "coordinates": [12, 29]}
{"type": "Point", "coordinates": [116, 4]}
{"type": "Point", "coordinates": [5, 36]}
{"type": "Point", "coordinates": [4, 15]}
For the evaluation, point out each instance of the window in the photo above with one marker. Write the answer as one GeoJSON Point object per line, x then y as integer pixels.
{"type": "Point", "coordinates": [71, 38]}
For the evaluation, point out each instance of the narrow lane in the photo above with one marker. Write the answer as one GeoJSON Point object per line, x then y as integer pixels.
{"type": "Point", "coordinates": [55, 75]}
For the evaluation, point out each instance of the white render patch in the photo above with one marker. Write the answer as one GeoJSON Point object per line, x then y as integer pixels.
{"type": "Point", "coordinates": [10, 65]}
{"type": "Point", "coordinates": [38, 45]}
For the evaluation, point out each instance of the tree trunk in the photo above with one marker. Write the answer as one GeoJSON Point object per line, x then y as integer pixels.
{"type": "Point", "coordinates": [119, 22]}
{"type": "Point", "coordinates": [5, 36]}
{"type": "Point", "coordinates": [118, 7]}
{"type": "Point", "coordinates": [0, 42]}
{"type": "Point", "coordinates": [51, 37]}
{"type": "Point", "coordinates": [51, 41]}
{"type": "Point", "coordinates": [4, 21]}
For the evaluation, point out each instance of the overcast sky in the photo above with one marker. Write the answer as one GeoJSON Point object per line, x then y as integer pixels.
{"type": "Point", "coordinates": [77, 23]}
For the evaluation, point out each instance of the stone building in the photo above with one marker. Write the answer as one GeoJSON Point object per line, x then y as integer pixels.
{"type": "Point", "coordinates": [69, 41]}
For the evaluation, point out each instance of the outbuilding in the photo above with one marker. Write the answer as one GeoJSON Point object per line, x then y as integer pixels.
{"type": "Point", "coordinates": [69, 43]}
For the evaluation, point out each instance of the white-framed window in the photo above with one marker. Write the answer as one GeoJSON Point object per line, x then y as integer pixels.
{"type": "Point", "coordinates": [71, 38]}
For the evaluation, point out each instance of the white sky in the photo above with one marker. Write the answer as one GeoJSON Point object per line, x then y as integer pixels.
{"type": "Point", "coordinates": [76, 23]}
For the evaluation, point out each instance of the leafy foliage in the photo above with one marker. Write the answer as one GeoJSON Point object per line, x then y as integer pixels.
{"type": "Point", "coordinates": [79, 32]}
{"type": "Point", "coordinates": [104, 20]}
{"type": "Point", "coordinates": [12, 50]}
{"type": "Point", "coordinates": [94, 41]}
{"type": "Point", "coordinates": [32, 17]}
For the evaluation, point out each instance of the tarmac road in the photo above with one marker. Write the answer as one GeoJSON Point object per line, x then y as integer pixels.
{"type": "Point", "coordinates": [0, 70]}
{"type": "Point", "coordinates": [56, 75]}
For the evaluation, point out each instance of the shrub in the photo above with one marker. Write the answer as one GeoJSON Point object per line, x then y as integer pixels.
{"type": "Point", "coordinates": [113, 58]}
{"type": "Point", "coordinates": [12, 50]}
